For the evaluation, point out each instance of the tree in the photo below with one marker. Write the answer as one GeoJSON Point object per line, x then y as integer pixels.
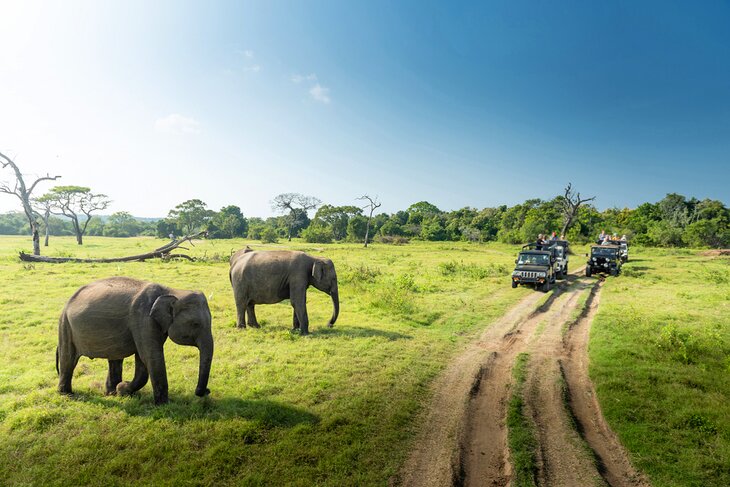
{"type": "Point", "coordinates": [44, 207]}
{"type": "Point", "coordinates": [122, 224]}
{"type": "Point", "coordinates": [372, 205]}
{"type": "Point", "coordinates": [228, 223]}
{"type": "Point", "coordinates": [74, 201]}
{"type": "Point", "coordinates": [289, 203]}
{"type": "Point", "coordinates": [417, 212]}
{"type": "Point", "coordinates": [191, 216]}
{"type": "Point", "coordinates": [336, 218]}
{"type": "Point", "coordinates": [571, 202]}
{"type": "Point", "coordinates": [24, 194]}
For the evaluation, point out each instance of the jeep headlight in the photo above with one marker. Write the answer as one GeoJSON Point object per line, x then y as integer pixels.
{"type": "Point", "coordinates": [541, 274]}
{"type": "Point", "coordinates": [517, 273]}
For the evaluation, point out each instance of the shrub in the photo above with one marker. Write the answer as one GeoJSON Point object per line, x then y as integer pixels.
{"type": "Point", "coordinates": [317, 234]}
{"type": "Point", "coordinates": [392, 239]}
{"type": "Point", "coordinates": [269, 235]}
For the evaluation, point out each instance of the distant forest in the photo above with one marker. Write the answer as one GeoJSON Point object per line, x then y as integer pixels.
{"type": "Point", "coordinates": [675, 221]}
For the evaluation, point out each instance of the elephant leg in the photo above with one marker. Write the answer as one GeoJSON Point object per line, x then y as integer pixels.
{"type": "Point", "coordinates": [295, 321]}
{"type": "Point", "coordinates": [140, 378]}
{"type": "Point", "coordinates": [158, 375]}
{"type": "Point", "coordinates": [241, 305]}
{"type": "Point", "coordinates": [66, 364]}
{"type": "Point", "coordinates": [66, 359]}
{"type": "Point", "coordinates": [299, 303]}
{"type": "Point", "coordinates": [252, 316]}
{"type": "Point", "coordinates": [114, 377]}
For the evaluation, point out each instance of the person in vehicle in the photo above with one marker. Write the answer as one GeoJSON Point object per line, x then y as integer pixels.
{"type": "Point", "coordinates": [539, 242]}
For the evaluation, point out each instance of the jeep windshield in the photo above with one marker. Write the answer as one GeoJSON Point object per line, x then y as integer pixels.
{"type": "Point", "coordinates": [603, 252]}
{"type": "Point", "coordinates": [533, 259]}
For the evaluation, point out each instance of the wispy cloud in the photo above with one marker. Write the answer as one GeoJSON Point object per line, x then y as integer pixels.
{"type": "Point", "coordinates": [298, 78]}
{"type": "Point", "coordinates": [320, 93]}
{"type": "Point", "coordinates": [248, 53]}
{"type": "Point", "coordinates": [254, 69]}
{"type": "Point", "coordinates": [177, 124]}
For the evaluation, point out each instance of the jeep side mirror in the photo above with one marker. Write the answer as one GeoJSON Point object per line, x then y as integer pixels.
{"type": "Point", "coordinates": [515, 261]}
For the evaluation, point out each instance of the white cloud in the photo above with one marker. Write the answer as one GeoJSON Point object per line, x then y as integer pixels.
{"type": "Point", "coordinates": [298, 78]}
{"type": "Point", "coordinates": [248, 53]}
{"type": "Point", "coordinates": [320, 93]}
{"type": "Point", "coordinates": [177, 124]}
{"type": "Point", "coordinates": [255, 68]}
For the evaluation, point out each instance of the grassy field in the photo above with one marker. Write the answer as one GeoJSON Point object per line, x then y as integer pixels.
{"type": "Point", "coordinates": [660, 360]}
{"type": "Point", "coordinates": [341, 406]}
{"type": "Point", "coordinates": [336, 408]}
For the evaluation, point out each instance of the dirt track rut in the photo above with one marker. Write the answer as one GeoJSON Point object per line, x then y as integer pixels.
{"type": "Point", "coordinates": [464, 439]}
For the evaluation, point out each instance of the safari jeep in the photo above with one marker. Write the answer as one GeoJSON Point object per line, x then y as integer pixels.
{"type": "Point", "coordinates": [604, 259]}
{"type": "Point", "coordinates": [624, 251]}
{"type": "Point", "coordinates": [561, 257]}
{"type": "Point", "coordinates": [536, 267]}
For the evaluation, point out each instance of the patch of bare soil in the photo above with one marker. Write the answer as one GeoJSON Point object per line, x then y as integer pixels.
{"type": "Point", "coordinates": [464, 439]}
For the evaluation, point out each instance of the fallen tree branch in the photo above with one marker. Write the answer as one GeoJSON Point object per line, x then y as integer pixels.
{"type": "Point", "coordinates": [160, 253]}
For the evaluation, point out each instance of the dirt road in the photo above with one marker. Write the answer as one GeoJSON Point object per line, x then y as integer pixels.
{"type": "Point", "coordinates": [464, 439]}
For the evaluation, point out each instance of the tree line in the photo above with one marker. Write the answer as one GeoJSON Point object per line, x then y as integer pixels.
{"type": "Point", "coordinates": [68, 210]}
{"type": "Point", "coordinates": [674, 221]}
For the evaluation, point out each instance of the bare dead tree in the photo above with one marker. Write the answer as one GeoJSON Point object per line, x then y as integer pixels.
{"type": "Point", "coordinates": [292, 203]}
{"type": "Point", "coordinates": [372, 205]}
{"type": "Point", "coordinates": [24, 194]}
{"type": "Point", "coordinates": [160, 253]}
{"type": "Point", "coordinates": [571, 203]}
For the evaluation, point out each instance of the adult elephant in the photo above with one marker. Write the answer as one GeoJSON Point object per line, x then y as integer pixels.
{"type": "Point", "coordinates": [117, 317]}
{"type": "Point", "coordinates": [271, 276]}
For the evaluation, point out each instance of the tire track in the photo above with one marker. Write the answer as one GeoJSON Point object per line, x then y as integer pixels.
{"type": "Point", "coordinates": [464, 441]}
{"type": "Point", "coordinates": [436, 458]}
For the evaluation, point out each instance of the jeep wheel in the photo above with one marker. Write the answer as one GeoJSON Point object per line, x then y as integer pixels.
{"type": "Point", "coordinates": [514, 284]}
{"type": "Point", "coordinates": [613, 272]}
{"type": "Point", "coordinates": [588, 271]}
{"type": "Point", "coordinates": [546, 286]}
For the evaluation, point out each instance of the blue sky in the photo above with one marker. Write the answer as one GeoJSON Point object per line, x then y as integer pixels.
{"type": "Point", "coordinates": [469, 104]}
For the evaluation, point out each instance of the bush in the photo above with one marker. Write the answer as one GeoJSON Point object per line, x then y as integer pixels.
{"type": "Point", "coordinates": [392, 239]}
{"type": "Point", "coordinates": [269, 235]}
{"type": "Point", "coordinates": [317, 234]}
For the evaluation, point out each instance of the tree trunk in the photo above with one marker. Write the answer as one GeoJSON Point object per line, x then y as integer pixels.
{"type": "Point", "coordinates": [161, 253]}
{"type": "Point", "coordinates": [367, 231]}
{"type": "Point", "coordinates": [36, 239]}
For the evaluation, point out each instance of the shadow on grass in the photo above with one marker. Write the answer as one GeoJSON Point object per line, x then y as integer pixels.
{"type": "Point", "coordinates": [190, 408]}
{"type": "Point", "coordinates": [357, 332]}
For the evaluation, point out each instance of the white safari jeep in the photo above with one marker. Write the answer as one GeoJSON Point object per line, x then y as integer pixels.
{"type": "Point", "coordinates": [561, 257]}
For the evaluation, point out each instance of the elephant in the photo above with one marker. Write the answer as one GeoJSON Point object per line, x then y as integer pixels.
{"type": "Point", "coordinates": [118, 317]}
{"type": "Point", "coordinates": [271, 276]}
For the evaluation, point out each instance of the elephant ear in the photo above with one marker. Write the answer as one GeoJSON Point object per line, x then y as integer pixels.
{"type": "Point", "coordinates": [318, 270]}
{"type": "Point", "coordinates": [163, 311]}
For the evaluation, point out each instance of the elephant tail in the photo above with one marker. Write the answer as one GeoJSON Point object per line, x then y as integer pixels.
{"type": "Point", "coordinates": [57, 372]}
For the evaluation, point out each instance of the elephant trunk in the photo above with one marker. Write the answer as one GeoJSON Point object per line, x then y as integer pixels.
{"type": "Point", "coordinates": [336, 304]}
{"type": "Point", "coordinates": [206, 358]}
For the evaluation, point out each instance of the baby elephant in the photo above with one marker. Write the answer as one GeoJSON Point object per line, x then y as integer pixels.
{"type": "Point", "coordinates": [267, 277]}
{"type": "Point", "coordinates": [117, 317]}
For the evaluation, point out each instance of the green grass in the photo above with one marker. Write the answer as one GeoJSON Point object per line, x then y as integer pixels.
{"type": "Point", "coordinates": [521, 433]}
{"type": "Point", "coordinates": [335, 408]}
{"type": "Point", "coordinates": [340, 407]}
{"type": "Point", "coordinates": [660, 360]}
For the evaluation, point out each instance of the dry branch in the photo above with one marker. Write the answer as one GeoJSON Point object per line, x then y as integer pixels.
{"type": "Point", "coordinates": [160, 253]}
